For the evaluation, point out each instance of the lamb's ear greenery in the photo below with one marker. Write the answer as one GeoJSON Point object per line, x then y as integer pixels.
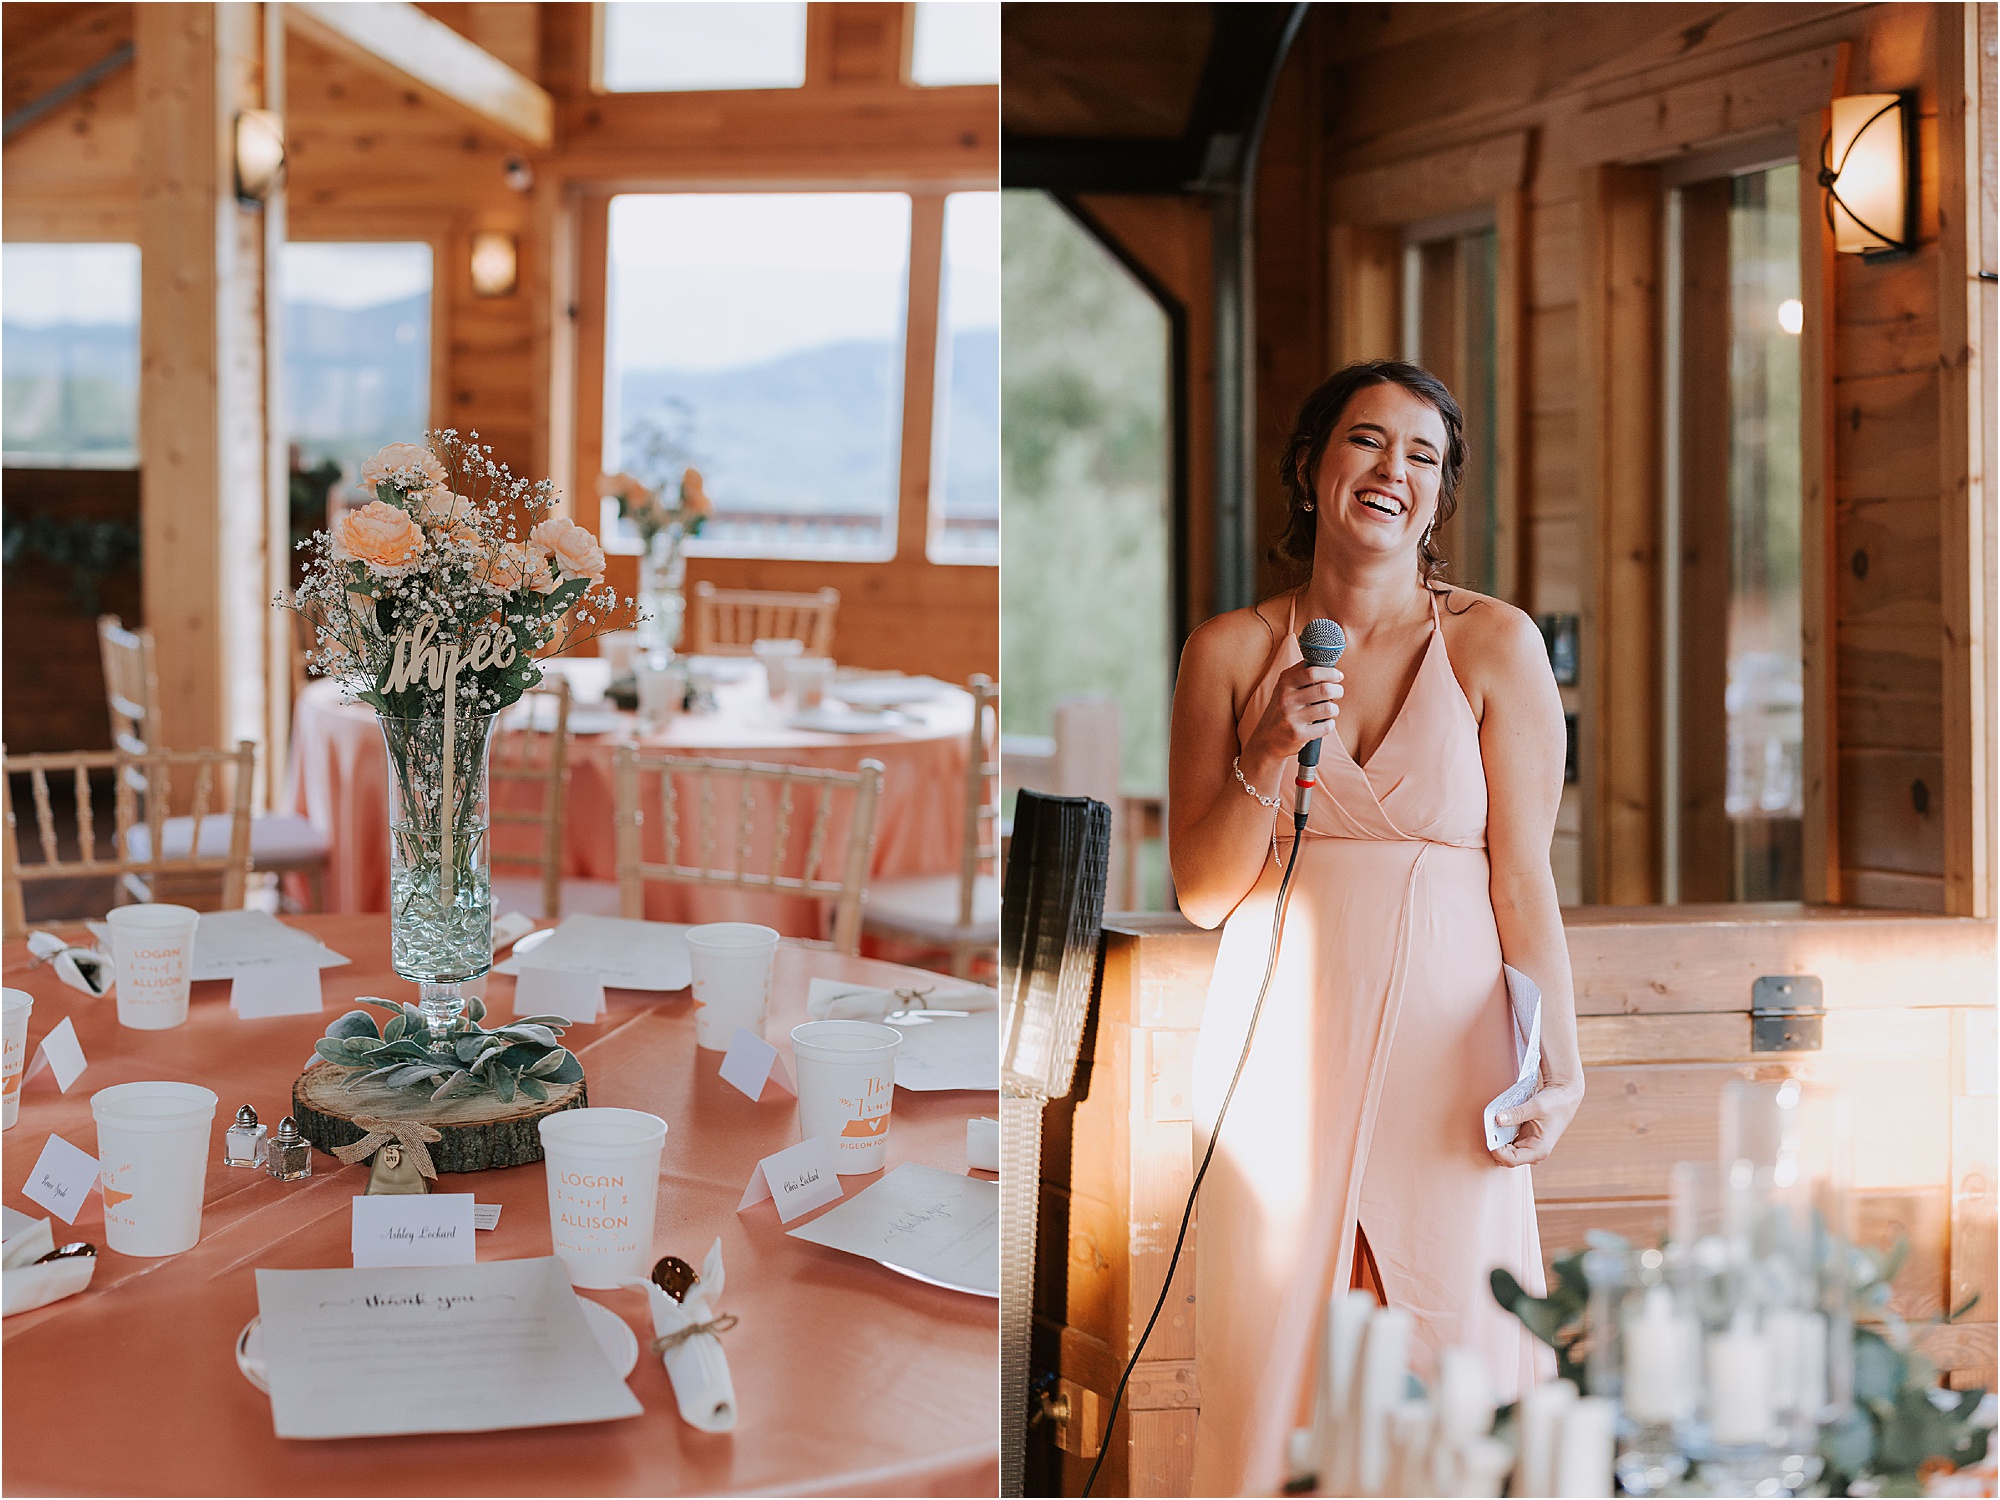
{"type": "Point", "coordinates": [525, 1055]}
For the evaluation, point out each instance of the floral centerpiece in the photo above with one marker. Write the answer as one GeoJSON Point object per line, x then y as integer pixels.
{"type": "Point", "coordinates": [434, 603]}
{"type": "Point", "coordinates": [663, 526]}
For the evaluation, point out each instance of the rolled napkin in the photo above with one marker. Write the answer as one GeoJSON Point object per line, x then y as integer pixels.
{"type": "Point", "coordinates": [86, 969]}
{"type": "Point", "coordinates": [860, 1003]}
{"type": "Point", "coordinates": [25, 1286]}
{"type": "Point", "coordinates": [689, 1344]}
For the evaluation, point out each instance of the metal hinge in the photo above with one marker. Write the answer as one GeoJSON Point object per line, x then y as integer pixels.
{"type": "Point", "coordinates": [1786, 1012]}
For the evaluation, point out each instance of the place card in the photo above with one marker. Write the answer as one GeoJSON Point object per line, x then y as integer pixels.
{"type": "Point", "coordinates": [276, 989]}
{"type": "Point", "coordinates": [751, 1062]}
{"type": "Point", "coordinates": [935, 1226]}
{"type": "Point", "coordinates": [624, 952]}
{"type": "Point", "coordinates": [413, 1229]}
{"type": "Point", "coordinates": [479, 1348]}
{"type": "Point", "coordinates": [800, 1178]}
{"type": "Point", "coordinates": [558, 992]}
{"type": "Point", "coordinates": [62, 1178]}
{"type": "Point", "coordinates": [60, 1055]}
{"type": "Point", "coordinates": [229, 943]}
{"type": "Point", "coordinates": [982, 1145]}
{"type": "Point", "coordinates": [486, 1216]}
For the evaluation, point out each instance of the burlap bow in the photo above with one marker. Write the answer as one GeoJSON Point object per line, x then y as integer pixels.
{"type": "Point", "coordinates": [409, 1134]}
{"type": "Point", "coordinates": [718, 1325]}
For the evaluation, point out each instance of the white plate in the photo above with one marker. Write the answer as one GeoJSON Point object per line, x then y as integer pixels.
{"type": "Point", "coordinates": [586, 718]}
{"type": "Point", "coordinates": [886, 692]}
{"type": "Point", "coordinates": [723, 668]}
{"type": "Point", "coordinates": [614, 1336]}
{"type": "Point", "coordinates": [832, 718]}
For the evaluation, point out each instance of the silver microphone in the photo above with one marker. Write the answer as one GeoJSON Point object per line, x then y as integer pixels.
{"type": "Point", "coordinates": [1320, 643]}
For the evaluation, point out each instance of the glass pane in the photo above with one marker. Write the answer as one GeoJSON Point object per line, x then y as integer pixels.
{"type": "Point", "coordinates": [70, 365]}
{"type": "Point", "coordinates": [1766, 694]}
{"type": "Point", "coordinates": [1086, 579]}
{"type": "Point", "coordinates": [957, 41]}
{"type": "Point", "coordinates": [759, 338]}
{"type": "Point", "coordinates": [965, 423]}
{"type": "Point", "coordinates": [666, 45]}
{"type": "Point", "coordinates": [357, 340]}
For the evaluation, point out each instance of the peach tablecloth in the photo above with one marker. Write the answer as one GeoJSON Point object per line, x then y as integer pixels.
{"type": "Point", "coordinates": [339, 779]}
{"type": "Point", "coordinates": [850, 1378]}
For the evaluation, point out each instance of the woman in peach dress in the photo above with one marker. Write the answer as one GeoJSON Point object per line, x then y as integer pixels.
{"type": "Point", "coordinates": [1354, 1151]}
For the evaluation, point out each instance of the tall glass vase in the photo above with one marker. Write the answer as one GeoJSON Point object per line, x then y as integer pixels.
{"type": "Point", "coordinates": [440, 886]}
{"type": "Point", "coordinates": [662, 597]}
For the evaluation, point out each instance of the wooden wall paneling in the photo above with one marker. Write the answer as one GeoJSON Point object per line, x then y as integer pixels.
{"type": "Point", "coordinates": [201, 398]}
{"type": "Point", "coordinates": [550, 289]}
{"type": "Point", "coordinates": [1707, 862]}
{"type": "Point", "coordinates": [1619, 417]}
{"type": "Point", "coordinates": [1439, 182]}
{"type": "Point", "coordinates": [1365, 293]}
{"type": "Point", "coordinates": [1513, 275]}
{"type": "Point", "coordinates": [1660, 122]}
{"type": "Point", "coordinates": [916, 518]}
{"type": "Point", "coordinates": [72, 175]}
{"type": "Point", "coordinates": [279, 625]}
{"type": "Point", "coordinates": [1820, 571]}
{"type": "Point", "coordinates": [1966, 531]}
{"type": "Point", "coordinates": [592, 211]}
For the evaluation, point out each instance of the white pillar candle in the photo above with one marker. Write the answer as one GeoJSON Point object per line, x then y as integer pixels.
{"type": "Point", "coordinates": [1464, 1412]}
{"type": "Point", "coordinates": [1538, 1421]}
{"type": "Point", "coordinates": [1812, 1363]}
{"type": "Point", "coordinates": [1739, 1384]}
{"type": "Point", "coordinates": [1585, 1448]}
{"type": "Point", "coordinates": [1781, 1338]}
{"type": "Point", "coordinates": [1411, 1436]}
{"type": "Point", "coordinates": [1482, 1465]}
{"type": "Point", "coordinates": [1379, 1385]}
{"type": "Point", "coordinates": [1347, 1317]}
{"type": "Point", "coordinates": [1654, 1366]}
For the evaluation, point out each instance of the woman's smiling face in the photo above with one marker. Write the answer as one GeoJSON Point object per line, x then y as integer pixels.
{"type": "Point", "coordinates": [1378, 480]}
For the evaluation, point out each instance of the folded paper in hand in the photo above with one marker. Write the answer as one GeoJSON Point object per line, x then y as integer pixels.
{"type": "Point", "coordinates": [1525, 1001]}
{"type": "Point", "coordinates": [691, 1347]}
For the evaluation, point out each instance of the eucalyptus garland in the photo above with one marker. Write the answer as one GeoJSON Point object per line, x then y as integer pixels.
{"type": "Point", "coordinates": [524, 1057]}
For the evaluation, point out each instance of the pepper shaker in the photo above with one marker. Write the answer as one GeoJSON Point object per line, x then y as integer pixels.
{"type": "Point", "coordinates": [288, 1157]}
{"type": "Point", "coordinates": [243, 1143]}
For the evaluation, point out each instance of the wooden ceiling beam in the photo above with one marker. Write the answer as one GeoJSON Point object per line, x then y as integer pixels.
{"type": "Point", "coordinates": [402, 41]}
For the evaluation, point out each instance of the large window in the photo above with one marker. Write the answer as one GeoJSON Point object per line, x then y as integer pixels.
{"type": "Point", "coordinates": [759, 338]}
{"type": "Point", "coordinates": [965, 424]}
{"type": "Point", "coordinates": [357, 338]}
{"type": "Point", "coordinates": [956, 42]}
{"type": "Point", "coordinates": [668, 45]}
{"type": "Point", "coordinates": [69, 355]}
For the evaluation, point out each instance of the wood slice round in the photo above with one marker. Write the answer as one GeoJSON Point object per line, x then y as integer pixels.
{"type": "Point", "coordinates": [479, 1132]}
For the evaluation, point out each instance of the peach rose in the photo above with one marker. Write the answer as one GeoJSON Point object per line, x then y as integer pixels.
{"type": "Point", "coordinates": [624, 487]}
{"type": "Point", "coordinates": [439, 507]}
{"type": "Point", "coordinates": [694, 498]}
{"type": "Point", "coordinates": [381, 536]}
{"type": "Point", "coordinates": [405, 459]}
{"type": "Point", "coordinates": [516, 565]}
{"type": "Point", "coordinates": [571, 548]}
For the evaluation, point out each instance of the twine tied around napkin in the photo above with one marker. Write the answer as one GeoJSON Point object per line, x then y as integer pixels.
{"type": "Point", "coordinates": [718, 1325]}
{"type": "Point", "coordinates": [86, 969]}
{"type": "Point", "coordinates": [409, 1134]}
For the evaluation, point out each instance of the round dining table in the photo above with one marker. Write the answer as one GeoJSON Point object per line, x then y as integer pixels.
{"type": "Point", "coordinates": [339, 778]}
{"type": "Point", "coordinates": [851, 1379]}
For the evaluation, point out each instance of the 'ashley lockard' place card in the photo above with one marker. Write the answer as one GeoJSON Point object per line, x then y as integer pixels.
{"type": "Point", "coordinates": [432, 1349]}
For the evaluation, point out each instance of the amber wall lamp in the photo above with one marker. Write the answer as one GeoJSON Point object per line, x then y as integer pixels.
{"type": "Point", "coordinates": [260, 155]}
{"type": "Point", "coordinates": [1867, 167]}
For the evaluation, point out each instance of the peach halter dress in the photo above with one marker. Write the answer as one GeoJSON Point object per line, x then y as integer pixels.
{"type": "Point", "coordinates": [1387, 1031]}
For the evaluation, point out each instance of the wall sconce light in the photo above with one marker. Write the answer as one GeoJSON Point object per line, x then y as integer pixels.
{"type": "Point", "coordinates": [1866, 168]}
{"type": "Point", "coordinates": [495, 263]}
{"type": "Point", "coordinates": [260, 155]}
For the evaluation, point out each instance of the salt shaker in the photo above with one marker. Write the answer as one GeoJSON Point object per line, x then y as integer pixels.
{"type": "Point", "coordinates": [288, 1157]}
{"type": "Point", "coordinates": [243, 1143]}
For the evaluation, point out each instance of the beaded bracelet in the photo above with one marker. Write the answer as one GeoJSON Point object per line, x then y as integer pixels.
{"type": "Point", "coordinates": [1236, 765]}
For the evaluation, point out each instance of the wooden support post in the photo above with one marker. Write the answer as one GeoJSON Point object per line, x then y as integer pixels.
{"type": "Point", "coordinates": [202, 416]}
{"type": "Point", "coordinates": [1511, 287]}
{"type": "Point", "coordinates": [1819, 555]}
{"type": "Point", "coordinates": [1618, 386]}
{"type": "Point", "coordinates": [913, 504]}
{"type": "Point", "coordinates": [279, 624]}
{"type": "Point", "coordinates": [1365, 293]}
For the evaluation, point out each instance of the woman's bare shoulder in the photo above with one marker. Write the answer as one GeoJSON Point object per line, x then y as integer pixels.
{"type": "Point", "coordinates": [1238, 642]}
{"type": "Point", "coordinates": [1492, 643]}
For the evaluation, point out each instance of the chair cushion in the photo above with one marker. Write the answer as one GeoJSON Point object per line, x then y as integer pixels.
{"type": "Point", "coordinates": [523, 893]}
{"type": "Point", "coordinates": [926, 907]}
{"type": "Point", "coordinates": [277, 840]}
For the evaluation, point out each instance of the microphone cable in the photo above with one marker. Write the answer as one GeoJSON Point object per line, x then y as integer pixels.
{"type": "Point", "coordinates": [1215, 1136]}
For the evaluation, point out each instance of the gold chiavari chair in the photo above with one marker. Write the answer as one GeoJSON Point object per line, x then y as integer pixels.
{"type": "Point", "coordinates": [728, 621]}
{"type": "Point", "coordinates": [961, 914]}
{"type": "Point", "coordinates": [197, 878]}
{"type": "Point", "coordinates": [721, 839]}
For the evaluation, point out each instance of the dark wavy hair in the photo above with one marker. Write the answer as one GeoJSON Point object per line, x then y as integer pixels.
{"type": "Point", "coordinates": [1320, 413]}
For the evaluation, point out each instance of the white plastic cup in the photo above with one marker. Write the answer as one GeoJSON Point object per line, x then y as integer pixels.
{"type": "Point", "coordinates": [847, 1082]}
{"type": "Point", "coordinates": [153, 945]}
{"type": "Point", "coordinates": [616, 647]}
{"type": "Point", "coordinates": [662, 686]}
{"type": "Point", "coordinates": [731, 962]}
{"type": "Point", "coordinates": [777, 657]}
{"type": "Point", "coordinates": [14, 1055]}
{"type": "Point", "coordinates": [152, 1155]}
{"type": "Point", "coordinates": [809, 676]}
{"type": "Point", "coordinates": [604, 1180]}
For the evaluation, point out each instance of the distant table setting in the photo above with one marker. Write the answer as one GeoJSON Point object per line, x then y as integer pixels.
{"type": "Point", "coordinates": [915, 726]}
{"type": "Point", "coordinates": [743, 1239]}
